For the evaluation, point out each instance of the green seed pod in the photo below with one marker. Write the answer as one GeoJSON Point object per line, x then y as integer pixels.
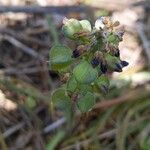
{"type": "Point", "coordinates": [85, 73]}
{"type": "Point", "coordinates": [71, 27]}
{"type": "Point", "coordinates": [103, 83]}
{"type": "Point", "coordinates": [60, 57]}
{"type": "Point", "coordinates": [113, 63]}
{"type": "Point", "coordinates": [86, 25]}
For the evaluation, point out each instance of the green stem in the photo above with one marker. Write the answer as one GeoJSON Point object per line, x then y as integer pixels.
{"type": "Point", "coordinates": [53, 30]}
{"type": "Point", "coordinates": [2, 142]}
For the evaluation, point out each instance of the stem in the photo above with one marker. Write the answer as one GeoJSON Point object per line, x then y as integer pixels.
{"type": "Point", "coordinates": [53, 30]}
{"type": "Point", "coordinates": [2, 142]}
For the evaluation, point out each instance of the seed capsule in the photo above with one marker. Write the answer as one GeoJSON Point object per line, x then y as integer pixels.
{"type": "Point", "coordinates": [116, 23]}
{"type": "Point", "coordinates": [124, 63]}
{"type": "Point", "coordinates": [95, 62]}
{"type": "Point", "coordinates": [71, 27]}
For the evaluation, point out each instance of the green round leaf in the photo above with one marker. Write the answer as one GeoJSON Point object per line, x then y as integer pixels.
{"type": "Point", "coordinates": [60, 57]}
{"type": "Point", "coordinates": [86, 102]}
{"type": "Point", "coordinates": [30, 102]}
{"type": "Point", "coordinates": [62, 101]}
{"type": "Point", "coordinates": [59, 97]}
{"type": "Point", "coordinates": [72, 84]}
{"type": "Point", "coordinates": [86, 25]}
{"type": "Point", "coordinates": [85, 73]}
{"type": "Point", "coordinates": [71, 27]}
{"type": "Point", "coordinates": [102, 80]}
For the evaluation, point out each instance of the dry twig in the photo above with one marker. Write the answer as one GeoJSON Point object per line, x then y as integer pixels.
{"type": "Point", "coordinates": [48, 9]}
{"type": "Point", "coordinates": [13, 129]}
{"type": "Point", "coordinates": [145, 41]}
{"type": "Point", "coordinates": [21, 46]}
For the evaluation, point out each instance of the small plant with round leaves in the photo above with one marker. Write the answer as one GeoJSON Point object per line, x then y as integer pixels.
{"type": "Point", "coordinates": [84, 70]}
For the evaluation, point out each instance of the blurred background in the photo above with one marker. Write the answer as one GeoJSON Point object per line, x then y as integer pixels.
{"type": "Point", "coordinates": [119, 121]}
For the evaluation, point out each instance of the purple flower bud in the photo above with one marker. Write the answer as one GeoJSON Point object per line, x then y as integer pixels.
{"type": "Point", "coordinates": [103, 68]}
{"type": "Point", "coordinates": [118, 70]}
{"type": "Point", "coordinates": [75, 53]}
{"type": "Point", "coordinates": [95, 62]}
{"type": "Point", "coordinates": [117, 53]}
{"type": "Point", "coordinates": [124, 63]}
{"type": "Point", "coordinates": [118, 67]}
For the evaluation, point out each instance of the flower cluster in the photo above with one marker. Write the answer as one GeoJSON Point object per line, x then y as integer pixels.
{"type": "Point", "coordinates": [85, 68]}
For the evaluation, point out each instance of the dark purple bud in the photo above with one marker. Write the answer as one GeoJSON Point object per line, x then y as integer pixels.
{"type": "Point", "coordinates": [95, 62]}
{"type": "Point", "coordinates": [117, 53]}
{"type": "Point", "coordinates": [121, 33]}
{"type": "Point", "coordinates": [118, 68]}
{"type": "Point", "coordinates": [103, 68]}
{"type": "Point", "coordinates": [124, 63]}
{"type": "Point", "coordinates": [75, 53]}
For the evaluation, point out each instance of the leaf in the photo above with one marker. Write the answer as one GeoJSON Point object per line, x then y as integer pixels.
{"type": "Point", "coordinates": [62, 101]}
{"type": "Point", "coordinates": [112, 61]}
{"type": "Point", "coordinates": [86, 25]}
{"type": "Point", "coordinates": [30, 102]}
{"type": "Point", "coordinates": [59, 97]}
{"type": "Point", "coordinates": [86, 102]}
{"type": "Point", "coordinates": [71, 27]}
{"type": "Point", "coordinates": [113, 39]}
{"type": "Point", "coordinates": [55, 140]}
{"type": "Point", "coordinates": [85, 73]}
{"type": "Point", "coordinates": [72, 84]}
{"type": "Point", "coordinates": [103, 83]}
{"type": "Point", "coordinates": [60, 57]}
{"type": "Point", "coordinates": [83, 88]}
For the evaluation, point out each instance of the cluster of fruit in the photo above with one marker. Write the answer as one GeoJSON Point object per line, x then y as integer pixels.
{"type": "Point", "coordinates": [85, 69]}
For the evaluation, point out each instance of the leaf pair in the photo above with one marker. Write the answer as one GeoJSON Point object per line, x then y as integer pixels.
{"type": "Point", "coordinates": [63, 102]}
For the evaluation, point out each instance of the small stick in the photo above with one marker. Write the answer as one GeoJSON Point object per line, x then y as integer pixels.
{"type": "Point", "coordinates": [145, 41]}
{"type": "Point", "coordinates": [127, 97]}
{"type": "Point", "coordinates": [21, 46]}
{"type": "Point", "coordinates": [13, 129]}
{"type": "Point", "coordinates": [2, 142]}
{"type": "Point", "coordinates": [54, 125]}
{"type": "Point", "coordinates": [16, 71]}
{"type": "Point", "coordinates": [44, 10]}
{"type": "Point", "coordinates": [23, 37]}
